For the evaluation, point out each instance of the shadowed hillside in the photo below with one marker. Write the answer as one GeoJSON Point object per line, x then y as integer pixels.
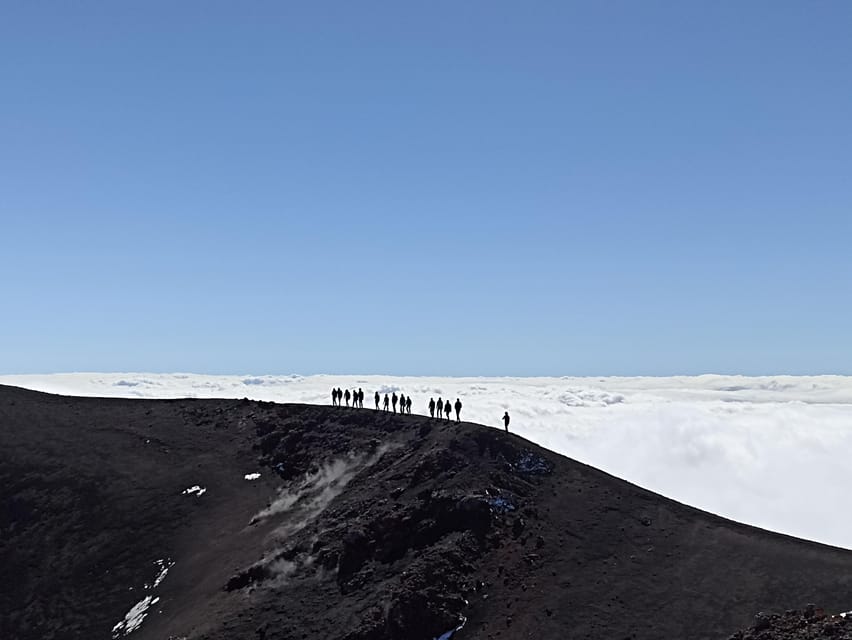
{"type": "Point", "coordinates": [361, 526]}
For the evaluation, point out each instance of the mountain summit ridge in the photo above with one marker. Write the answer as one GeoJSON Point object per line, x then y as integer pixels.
{"type": "Point", "coordinates": [362, 525]}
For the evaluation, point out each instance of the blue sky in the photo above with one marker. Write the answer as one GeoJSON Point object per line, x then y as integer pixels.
{"type": "Point", "coordinates": [490, 188]}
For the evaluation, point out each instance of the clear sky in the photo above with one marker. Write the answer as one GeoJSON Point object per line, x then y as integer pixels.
{"type": "Point", "coordinates": [449, 188]}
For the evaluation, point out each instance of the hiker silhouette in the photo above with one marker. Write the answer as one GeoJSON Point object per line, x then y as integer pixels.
{"type": "Point", "coordinates": [448, 409]}
{"type": "Point", "coordinates": [387, 400]}
{"type": "Point", "coordinates": [408, 405]}
{"type": "Point", "coordinates": [346, 397]}
{"type": "Point", "coordinates": [360, 398]}
{"type": "Point", "coordinates": [440, 408]}
{"type": "Point", "coordinates": [402, 403]}
{"type": "Point", "coordinates": [334, 397]}
{"type": "Point", "coordinates": [458, 409]}
{"type": "Point", "coordinates": [393, 401]}
{"type": "Point", "coordinates": [377, 400]}
{"type": "Point", "coordinates": [506, 421]}
{"type": "Point", "coordinates": [432, 407]}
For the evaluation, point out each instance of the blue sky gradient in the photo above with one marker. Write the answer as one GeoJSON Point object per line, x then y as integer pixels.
{"type": "Point", "coordinates": [489, 188]}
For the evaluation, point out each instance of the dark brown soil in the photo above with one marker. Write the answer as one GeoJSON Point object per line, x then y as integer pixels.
{"type": "Point", "coordinates": [387, 527]}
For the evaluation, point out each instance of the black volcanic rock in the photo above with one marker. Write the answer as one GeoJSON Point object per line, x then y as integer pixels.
{"type": "Point", "coordinates": [362, 526]}
{"type": "Point", "coordinates": [810, 624]}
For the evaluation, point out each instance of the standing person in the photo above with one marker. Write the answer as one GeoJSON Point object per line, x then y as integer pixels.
{"type": "Point", "coordinates": [432, 407]}
{"type": "Point", "coordinates": [408, 405]}
{"type": "Point", "coordinates": [334, 397]}
{"type": "Point", "coordinates": [346, 397]}
{"type": "Point", "coordinates": [440, 408]}
{"type": "Point", "coordinates": [448, 409]}
{"type": "Point", "coordinates": [387, 400]}
{"type": "Point", "coordinates": [393, 401]}
{"type": "Point", "coordinates": [401, 403]}
{"type": "Point", "coordinates": [360, 398]}
{"type": "Point", "coordinates": [377, 400]}
{"type": "Point", "coordinates": [506, 421]}
{"type": "Point", "coordinates": [458, 409]}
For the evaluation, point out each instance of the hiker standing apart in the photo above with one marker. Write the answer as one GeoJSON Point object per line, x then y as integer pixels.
{"type": "Point", "coordinates": [432, 407]}
{"type": "Point", "coordinates": [377, 400]}
{"type": "Point", "coordinates": [506, 421]}
{"type": "Point", "coordinates": [458, 409]}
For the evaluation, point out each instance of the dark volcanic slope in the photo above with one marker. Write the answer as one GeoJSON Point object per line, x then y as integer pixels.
{"type": "Point", "coordinates": [381, 526]}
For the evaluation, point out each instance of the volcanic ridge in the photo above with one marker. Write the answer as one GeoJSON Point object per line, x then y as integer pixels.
{"type": "Point", "coordinates": [236, 519]}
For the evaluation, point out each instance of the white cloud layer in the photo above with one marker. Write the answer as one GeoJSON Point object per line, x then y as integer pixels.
{"type": "Point", "coordinates": [769, 451]}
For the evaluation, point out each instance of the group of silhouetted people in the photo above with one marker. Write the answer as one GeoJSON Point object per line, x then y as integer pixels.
{"type": "Point", "coordinates": [338, 395]}
{"type": "Point", "coordinates": [393, 400]}
{"type": "Point", "coordinates": [441, 409]}
{"type": "Point", "coordinates": [444, 409]}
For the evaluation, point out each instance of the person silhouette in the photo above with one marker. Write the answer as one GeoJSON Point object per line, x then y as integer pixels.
{"type": "Point", "coordinates": [334, 397]}
{"type": "Point", "coordinates": [387, 400]}
{"type": "Point", "coordinates": [432, 407]}
{"type": "Point", "coordinates": [401, 403]}
{"type": "Point", "coordinates": [408, 405]}
{"type": "Point", "coordinates": [346, 397]}
{"type": "Point", "coordinates": [506, 421]}
{"type": "Point", "coordinates": [448, 409]}
{"type": "Point", "coordinates": [439, 408]}
{"type": "Point", "coordinates": [377, 400]}
{"type": "Point", "coordinates": [393, 401]}
{"type": "Point", "coordinates": [458, 409]}
{"type": "Point", "coordinates": [360, 398]}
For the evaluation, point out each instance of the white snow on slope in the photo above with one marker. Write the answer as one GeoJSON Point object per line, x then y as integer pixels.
{"type": "Point", "coordinates": [134, 618]}
{"type": "Point", "coordinates": [770, 451]}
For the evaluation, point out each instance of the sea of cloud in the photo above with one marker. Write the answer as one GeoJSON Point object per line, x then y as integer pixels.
{"type": "Point", "coordinates": [774, 451]}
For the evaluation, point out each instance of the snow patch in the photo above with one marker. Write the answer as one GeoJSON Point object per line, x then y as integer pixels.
{"type": "Point", "coordinates": [199, 491]}
{"type": "Point", "coordinates": [164, 566]}
{"type": "Point", "coordinates": [252, 476]}
{"type": "Point", "coordinates": [134, 618]}
{"type": "Point", "coordinates": [452, 632]}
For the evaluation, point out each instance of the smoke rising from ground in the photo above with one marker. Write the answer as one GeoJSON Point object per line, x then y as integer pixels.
{"type": "Point", "coordinates": [305, 501]}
